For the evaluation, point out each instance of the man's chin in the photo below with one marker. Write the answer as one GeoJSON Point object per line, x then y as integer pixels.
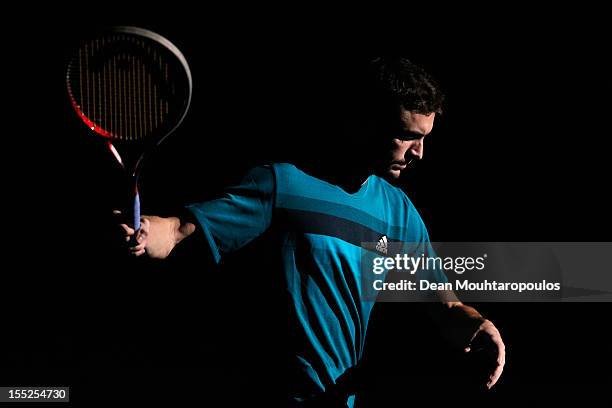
{"type": "Point", "coordinates": [393, 174]}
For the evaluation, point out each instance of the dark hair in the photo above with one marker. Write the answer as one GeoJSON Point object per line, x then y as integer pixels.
{"type": "Point", "coordinates": [399, 81]}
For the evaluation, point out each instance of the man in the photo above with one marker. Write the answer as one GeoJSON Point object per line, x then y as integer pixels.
{"type": "Point", "coordinates": [318, 218]}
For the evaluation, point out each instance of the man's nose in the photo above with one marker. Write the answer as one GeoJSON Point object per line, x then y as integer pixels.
{"type": "Point", "coordinates": [416, 150]}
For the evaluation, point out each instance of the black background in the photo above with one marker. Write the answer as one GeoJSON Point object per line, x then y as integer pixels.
{"type": "Point", "coordinates": [521, 154]}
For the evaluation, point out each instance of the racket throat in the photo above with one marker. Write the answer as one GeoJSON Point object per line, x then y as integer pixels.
{"type": "Point", "coordinates": [115, 153]}
{"type": "Point", "coordinates": [135, 207]}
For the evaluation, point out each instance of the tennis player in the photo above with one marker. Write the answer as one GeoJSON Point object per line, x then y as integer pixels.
{"type": "Point", "coordinates": [317, 223]}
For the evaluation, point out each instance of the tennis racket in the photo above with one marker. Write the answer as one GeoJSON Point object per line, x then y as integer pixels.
{"type": "Point", "coordinates": [133, 88]}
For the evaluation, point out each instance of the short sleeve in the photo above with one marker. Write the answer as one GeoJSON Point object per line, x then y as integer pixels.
{"type": "Point", "coordinates": [243, 213]}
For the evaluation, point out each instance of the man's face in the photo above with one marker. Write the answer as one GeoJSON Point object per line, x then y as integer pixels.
{"type": "Point", "coordinates": [403, 140]}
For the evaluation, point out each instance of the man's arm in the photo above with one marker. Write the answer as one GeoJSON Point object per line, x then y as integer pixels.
{"type": "Point", "coordinates": [468, 329]}
{"type": "Point", "coordinates": [158, 236]}
{"type": "Point", "coordinates": [241, 214]}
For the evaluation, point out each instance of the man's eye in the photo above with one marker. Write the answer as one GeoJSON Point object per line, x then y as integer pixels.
{"type": "Point", "coordinates": [409, 136]}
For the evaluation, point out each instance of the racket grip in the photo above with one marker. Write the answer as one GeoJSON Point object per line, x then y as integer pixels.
{"type": "Point", "coordinates": [136, 213]}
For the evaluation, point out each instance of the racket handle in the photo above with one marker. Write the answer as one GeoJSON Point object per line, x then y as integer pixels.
{"type": "Point", "coordinates": [136, 212]}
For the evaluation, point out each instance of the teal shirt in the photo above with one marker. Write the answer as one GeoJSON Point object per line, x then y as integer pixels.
{"type": "Point", "coordinates": [320, 228]}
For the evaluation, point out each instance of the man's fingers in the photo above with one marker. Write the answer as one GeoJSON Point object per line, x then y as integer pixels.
{"type": "Point", "coordinates": [139, 252]}
{"type": "Point", "coordinates": [500, 360]}
{"type": "Point", "coordinates": [136, 249]}
{"type": "Point", "coordinates": [495, 376]}
{"type": "Point", "coordinates": [488, 340]}
{"type": "Point", "coordinates": [140, 236]}
{"type": "Point", "coordinates": [136, 240]}
{"type": "Point", "coordinates": [499, 345]}
{"type": "Point", "coordinates": [143, 232]}
{"type": "Point", "coordinates": [120, 217]}
{"type": "Point", "coordinates": [127, 229]}
{"type": "Point", "coordinates": [501, 350]}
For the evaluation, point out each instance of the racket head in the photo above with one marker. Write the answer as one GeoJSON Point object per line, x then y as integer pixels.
{"type": "Point", "coordinates": [129, 84]}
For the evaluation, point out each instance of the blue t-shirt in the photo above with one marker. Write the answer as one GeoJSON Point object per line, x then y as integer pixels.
{"type": "Point", "coordinates": [320, 228]}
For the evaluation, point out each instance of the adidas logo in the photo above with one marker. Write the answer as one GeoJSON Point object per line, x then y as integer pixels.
{"type": "Point", "coordinates": [381, 246]}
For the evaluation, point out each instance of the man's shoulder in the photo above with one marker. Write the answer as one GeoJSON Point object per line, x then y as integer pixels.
{"type": "Point", "coordinates": [283, 166]}
{"type": "Point", "coordinates": [290, 174]}
{"type": "Point", "coordinates": [286, 168]}
{"type": "Point", "coordinates": [392, 192]}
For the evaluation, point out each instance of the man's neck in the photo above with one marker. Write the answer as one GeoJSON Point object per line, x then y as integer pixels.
{"type": "Point", "coordinates": [350, 177]}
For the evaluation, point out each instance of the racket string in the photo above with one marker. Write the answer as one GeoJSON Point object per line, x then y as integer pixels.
{"type": "Point", "coordinates": [127, 88]}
